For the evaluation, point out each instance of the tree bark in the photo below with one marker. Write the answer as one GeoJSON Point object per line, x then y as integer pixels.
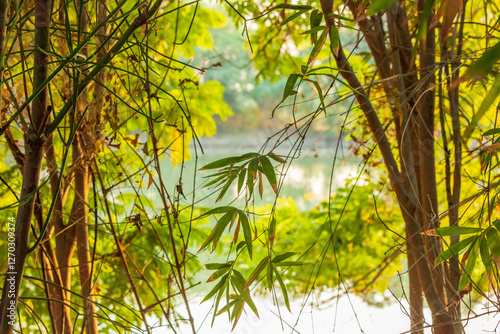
{"type": "Point", "coordinates": [431, 284]}
{"type": "Point", "coordinates": [34, 142]}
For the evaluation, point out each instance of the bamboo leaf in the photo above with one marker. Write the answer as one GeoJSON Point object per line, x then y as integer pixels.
{"type": "Point", "coordinates": [217, 230]}
{"type": "Point", "coordinates": [247, 232]}
{"type": "Point", "coordinates": [268, 170]}
{"type": "Point", "coordinates": [241, 179]}
{"type": "Point", "coordinates": [262, 264]}
{"type": "Point", "coordinates": [452, 230]}
{"type": "Point", "coordinates": [314, 30]}
{"type": "Point", "coordinates": [216, 288]}
{"type": "Point", "coordinates": [485, 105]}
{"type": "Point", "coordinates": [455, 249]}
{"type": "Point", "coordinates": [250, 182]}
{"type": "Point", "coordinates": [270, 276]}
{"type": "Point", "coordinates": [290, 84]}
{"type": "Point", "coordinates": [227, 306]}
{"type": "Point", "coordinates": [379, 6]}
{"type": "Point", "coordinates": [423, 22]}
{"type": "Point", "coordinates": [317, 47]}
{"type": "Point", "coordinates": [283, 288]}
{"type": "Point", "coordinates": [469, 266]}
{"type": "Point", "coordinates": [334, 39]}
{"type": "Point", "coordinates": [236, 314]}
{"type": "Point", "coordinates": [216, 181]}
{"type": "Point", "coordinates": [291, 6]}
{"type": "Point", "coordinates": [229, 161]}
{"type": "Point", "coordinates": [261, 186]}
{"type": "Point", "coordinates": [493, 241]}
{"type": "Point", "coordinates": [319, 91]}
{"type": "Point", "coordinates": [219, 297]}
{"type": "Point", "coordinates": [283, 257]}
{"type": "Point", "coordinates": [221, 209]}
{"type": "Point", "coordinates": [237, 231]}
{"type": "Point", "coordinates": [491, 132]}
{"type": "Point", "coordinates": [484, 64]}
{"type": "Point", "coordinates": [218, 274]}
{"type": "Point", "coordinates": [293, 17]}
{"type": "Point", "coordinates": [485, 254]}
{"type": "Point", "coordinates": [276, 157]}
{"type": "Point", "coordinates": [213, 266]}
{"type": "Point", "coordinates": [271, 232]}
{"type": "Point", "coordinates": [229, 181]}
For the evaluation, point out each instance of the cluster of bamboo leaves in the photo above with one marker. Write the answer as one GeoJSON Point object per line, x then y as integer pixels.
{"type": "Point", "coordinates": [246, 171]}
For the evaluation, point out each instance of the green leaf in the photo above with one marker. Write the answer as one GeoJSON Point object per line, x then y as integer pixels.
{"type": "Point", "coordinates": [315, 19]}
{"type": "Point", "coordinates": [422, 24]}
{"type": "Point", "coordinates": [455, 249]}
{"type": "Point", "coordinates": [213, 266]}
{"type": "Point", "coordinates": [217, 287]}
{"type": "Point", "coordinates": [221, 209]}
{"type": "Point", "coordinates": [293, 17]}
{"type": "Point", "coordinates": [262, 264]}
{"type": "Point", "coordinates": [283, 289]}
{"type": "Point", "coordinates": [214, 181]}
{"type": "Point", "coordinates": [271, 232]}
{"type": "Point", "coordinates": [317, 47]}
{"type": "Point", "coordinates": [227, 306]}
{"type": "Point", "coordinates": [334, 39]}
{"type": "Point", "coordinates": [336, 78]}
{"type": "Point", "coordinates": [290, 84]}
{"type": "Point", "coordinates": [496, 223]}
{"type": "Point", "coordinates": [283, 257]}
{"type": "Point", "coordinates": [320, 68]}
{"type": "Point", "coordinates": [217, 230]}
{"type": "Point", "coordinates": [485, 63]}
{"type": "Point", "coordinates": [240, 245]}
{"type": "Point", "coordinates": [320, 93]}
{"type": "Point", "coordinates": [218, 298]}
{"type": "Point", "coordinates": [340, 17]}
{"type": "Point", "coordinates": [229, 181]}
{"type": "Point", "coordinates": [469, 266]}
{"type": "Point", "coordinates": [379, 6]}
{"type": "Point", "coordinates": [492, 132]}
{"type": "Point", "coordinates": [314, 30]}
{"type": "Point", "coordinates": [456, 230]}
{"type": "Point", "coordinates": [218, 274]}
{"type": "Point", "coordinates": [493, 241]}
{"type": "Point", "coordinates": [485, 105]}
{"type": "Point", "coordinates": [26, 198]}
{"type": "Point", "coordinates": [268, 169]}
{"type": "Point", "coordinates": [247, 232]}
{"type": "Point", "coordinates": [270, 276]}
{"type": "Point", "coordinates": [276, 157]}
{"type": "Point", "coordinates": [293, 7]}
{"type": "Point", "coordinates": [241, 179]}
{"type": "Point", "coordinates": [250, 182]}
{"type": "Point", "coordinates": [240, 278]}
{"type": "Point", "coordinates": [491, 96]}
{"type": "Point", "coordinates": [239, 282]}
{"type": "Point", "coordinates": [236, 314]}
{"type": "Point", "coordinates": [229, 161]}
{"type": "Point", "coordinates": [485, 254]}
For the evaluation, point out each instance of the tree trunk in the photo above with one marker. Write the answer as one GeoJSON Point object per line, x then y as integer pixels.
{"type": "Point", "coordinates": [416, 193]}
{"type": "Point", "coordinates": [34, 142]}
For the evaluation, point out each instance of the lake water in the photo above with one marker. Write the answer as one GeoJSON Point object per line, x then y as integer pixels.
{"type": "Point", "coordinates": [325, 314]}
